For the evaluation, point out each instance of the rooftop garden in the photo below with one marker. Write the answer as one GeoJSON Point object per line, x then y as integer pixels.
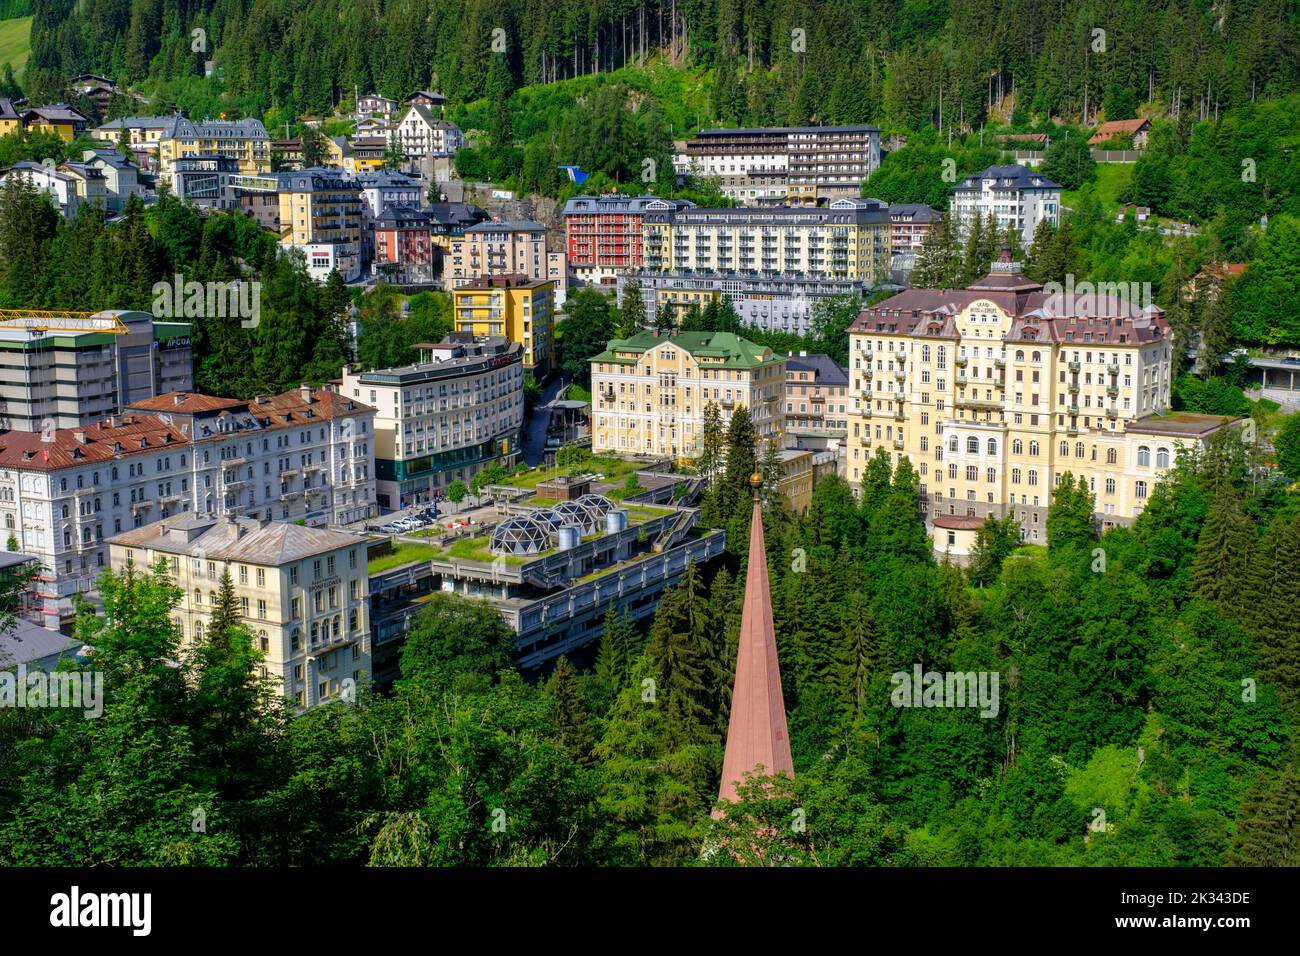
{"type": "Point", "coordinates": [403, 554]}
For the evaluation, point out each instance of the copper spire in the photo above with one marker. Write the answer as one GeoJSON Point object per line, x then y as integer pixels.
{"type": "Point", "coordinates": [756, 733]}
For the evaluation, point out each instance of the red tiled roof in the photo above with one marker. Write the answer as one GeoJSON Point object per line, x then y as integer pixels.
{"type": "Point", "coordinates": [69, 447]}
{"type": "Point", "coordinates": [1117, 128]}
{"type": "Point", "coordinates": [958, 522]}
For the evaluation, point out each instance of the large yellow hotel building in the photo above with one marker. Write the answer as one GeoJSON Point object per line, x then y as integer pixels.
{"type": "Point", "coordinates": [997, 390]}
{"type": "Point", "coordinates": [514, 306]}
{"type": "Point", "coordinates": [648, 392]}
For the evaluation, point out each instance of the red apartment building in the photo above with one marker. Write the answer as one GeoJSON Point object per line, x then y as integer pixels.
{"type": "Point", "coordinates": [603, 234]}
{"type": "Point", "coordinates": [403, 244]}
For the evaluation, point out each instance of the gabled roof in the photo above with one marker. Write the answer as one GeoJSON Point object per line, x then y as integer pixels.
{"type": "Point", "coordinates": [1008, 177]}
{"type": "Point", "coordinates": [1118, 128]}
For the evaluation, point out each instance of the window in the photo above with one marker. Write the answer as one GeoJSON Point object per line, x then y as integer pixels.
{"type": "Point", "coordinates": [1110, 486]}
{"type": "Point", "coordinates": [973, 445]}
{"type": "Point", "coordinates": [1144, 456]}
{"type": "Point", "coordinates": [1110, 456]}
{"type": "Point", "coordinates": [1017, 447]}
{"type": "Point", "coordinates": [1065, 448]}
{"type": "Point", "coordinates": [993, 446]}
{"type": "Point", "coordinates": [1033, 449]}
{"type": "Point", "coordinates": [1141, 490]}
{"type": "Point", "coordinates": [1162, 458]}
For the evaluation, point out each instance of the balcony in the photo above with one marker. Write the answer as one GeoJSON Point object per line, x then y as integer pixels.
{"type": "Point", "coordinates": [866, 410]}
{"type": "Point", "coordinates": [1072, 410]}
{"type": "Point", "coordinates": [901, 354]}
{"type": "Point", "coordinates": [900, 396]}
{"type": "Point", "coordinates": [864, 441]}
{"type": "Point", "coordinates": [900, 374]}
{"type": "Point", "coordinates": [869, 373]}
{"type": "Point", "coordinates": [1112, 391]}
{"type": "Point", "coordinates": [899, 414]}
{"type": "Point", "coordinates": [962, 381]}
{"type": "Point", "coordinates": [1073, 388]}
{"type": "Point", "coordinates": [999, 363]}
{"type": "Point", "coordinates": [1074, 367]}
{"type": "Point", "coordinates": [898, 444]}
{"type": "Point", "coordinates": [959, 361]}
{"type": "Point", "coordinates": [1112, 368]}
{"type": "Point", "coordinates": [1112, 413]}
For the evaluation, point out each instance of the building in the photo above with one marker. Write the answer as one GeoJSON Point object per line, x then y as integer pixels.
{"type": "Point", "coordinates": [121, 177]}
{"type": "Point", "coordinates": [10, 121]}
{"type": "Point", "coordinates": [320, 215]}
{"type": "Point", "coordinates": [795, 478]}
{"type": "Point", "coordinates": [373, 105]}
{"type": "Point", "coordinates": [497, 248]}
{"type": "Point", "coordinates": [909, 224]}
{"type": "Point", "coordinates": [427, 98]}
{"type": "Point", "coordinates": [422, 134]}
{"type": "Point", "coordinates": [514, 306]}
{"type": "Point", "coordinates": [53, 379]}
{"type": "Point", "coordinates": [402, 247]}
{"type": "Point", "coordinates": [551, 573]}
{"type": "Point", "coordinates": [368, 154]}
{"type": "Point", "coordinates": [303, 455]}
{"type": "Point", "coordinates": [1015, 196]}
{"type": "Point", "coordinates": [1138, 129]}
{"type": "Point", "coordinates": [850, 239]}
{"type": "Point", "coordinates": [813, 164]}
{"type": "Point", "coordinates": [997, 390]}
{"type": "Point", "coordinates": [59, 186]}
{"type": "Point", "coordinates": [89, 181]}
{"type": "Point", "coordinates": [453, 413]}
{"type": "Point", "coordinates": [382, 188]}
{"type": "Point", "coordinates": [775, 303]}
{"type": "Point", "coordinates": [815, 402]}
{"type": "Point", "coordinates": [303, 593]}
{"type": "Point", "coordinates": [449, 220]}
{"type": "Point", "coordinates": [245, 141]}
{"type": "Point", "coordinates": [143, 136]}
{"type": "Point", "coordinates": [649, 392]}
{"type": "Point", "coordinates": [99, 89]}
{"type": "Point", "coordinates": [603, 234]}
{"type": "Point", "coordinates": [758, 739]}
{"type": "Point", "coordinates": [34, 648]}
{"type": "Point", "coordinates": [60, 119]}
{"type": "Point", "coordinates": [206, 180]}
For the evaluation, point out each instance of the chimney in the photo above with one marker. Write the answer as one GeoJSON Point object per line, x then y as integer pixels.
{"type": "Point", "coordinates": [178, 398]}
{"type": "Point", "coordinates": [307, 394]}
{"type": "Point", "coordinates": [261, 400]}
{"type": "Point", "coordinates": [80, 436]}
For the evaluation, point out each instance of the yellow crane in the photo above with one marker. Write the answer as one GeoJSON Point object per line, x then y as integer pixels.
{"type": "Point", "coordinates": [41, 320]}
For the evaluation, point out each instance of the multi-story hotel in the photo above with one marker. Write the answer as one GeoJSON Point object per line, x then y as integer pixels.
{"type": "Point", "coordinates": [66, 379]}
{"type": "Point", "coordinates": [649, 391]}
{"type": "Point", "coordinates": [1016, 198]}
{"type": "Point", "coordinates": [603, 233]}
{"type": "Point", "coordinates": [320, 214]}
{"type": "Point", "coordinates": [848, 240]}
{"type": "Point", "coordinates": [423, 134]}
{"type": "Point", "coordinates": [773, 303]}
{"type": "Point", "coordinates": [450, 415]}
{"type": "Point", "coordinates": [303, 455]}
{"type": "Point", "coordinates": [503, 248]}
{"type": "Point", "coordinates": [808, 164]}
{"type": "Point", "coordinates": [997, 390]}
{"type": "Point", "coordinates": [909, 223]}
{"type": "Point", "coordinates": [246, 141]}
{"type": "Point", "coordinates": [302, 592]}
{"type": "Point", "coordinates": [403, 248]}
{"type": "Point", "coordinates": [519, 308]}
{"type": "Point", "coordinates": [816, 402]}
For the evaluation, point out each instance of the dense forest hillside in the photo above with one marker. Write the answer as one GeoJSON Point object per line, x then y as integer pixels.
{"type": "Point", "coordinates": [785, 61]}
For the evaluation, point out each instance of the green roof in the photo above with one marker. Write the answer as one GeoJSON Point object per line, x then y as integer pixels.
{"type": "Point", "coordinates": [734, 351]}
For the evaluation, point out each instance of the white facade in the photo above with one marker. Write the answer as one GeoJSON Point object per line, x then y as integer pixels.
{"type": "Point", "coordinates": [1016, 197]}
{"type": "Point", "coordinates": [422, 135]}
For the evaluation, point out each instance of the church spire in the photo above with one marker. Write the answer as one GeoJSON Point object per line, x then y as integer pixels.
{"type": "Point", "coordinates": [757, 731]}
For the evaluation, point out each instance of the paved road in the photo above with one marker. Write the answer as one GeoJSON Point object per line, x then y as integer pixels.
{"type": "Point", "coordinates": [535, 427]}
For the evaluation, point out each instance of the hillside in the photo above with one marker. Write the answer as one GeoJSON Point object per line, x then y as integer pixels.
{"type": "Point", "coordinates": [15, 42]}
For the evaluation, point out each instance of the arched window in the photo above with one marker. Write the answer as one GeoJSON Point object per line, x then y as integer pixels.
{"type": "Point", "coordinates": [1065, 448]}
{"type": "Point", "coordinates": [1033, 449]}
{"type": "Point", "coordinates": [1144, 456]}
{"type": "Point", "coordinates": [993, 446]}
{"type": "Point", "coordinates": [973, 445]}
{"type": "Point", "coordinates": [1110, 486]}
{"type": "Point", "coordinates": [1141, 489]}
{"type": "Point", "coordinates": [1038, 357]}
{"type": "Point", "coordinates": [198, 630]}
{"type": "Point", "coordinates": [1078, 449]}
{"type": "Point", "coordinates": [925, 353]}
{"type": "Point", "coordinates": [939, 355]}
{"type": "Point", "coordinates": [1020, 355]}
{"type": "Point", "coordinates": [1017, 447]}
{"type": "Point", "coordinates": [1162, 457]}
{"type": "Point", "coordinates": [1110, 456]}
{"type": "Point", "coordinates": [1033, 476]}
{"type": "Point", "coordinates": [972, 473]}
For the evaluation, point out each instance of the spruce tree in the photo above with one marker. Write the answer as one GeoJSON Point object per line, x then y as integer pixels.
{"type": "Point", "coordinates": [569, 715]}
{"type": "Point", "coordinates": [1223, 553]}
{"type": "Point", "coordinates": [1270, 598]}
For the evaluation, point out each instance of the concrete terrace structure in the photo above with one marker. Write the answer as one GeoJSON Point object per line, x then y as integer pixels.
{"type": "Point", "coordinates": [51, 380]}
{"type": "Point", "coordinates": [551, 573]}
{"type": "Point", "coordinates": [450, 415]}
{"type": "Point", "coordinates": [849, 240]}
{"type": "Point", "coordinates": [649, 392]}
{"type": "Point", "coordinates": [603, 233]}
{"type": "Point", "coordinates": [776, 303]}
{"type": "Point", "coordinates": [303, 593]}
{"type": "Point", "coordinates": [804, 164]}
{"type": "Point", "coordinates": [1015, 196]}
{"type": "Point", "coordinates": [997, 390]}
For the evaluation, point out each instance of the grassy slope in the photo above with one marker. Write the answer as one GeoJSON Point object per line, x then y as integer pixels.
{"type": "Point", "coordinates": [15, 42]}
{"type": "Point", "coordinates": [1111, 180]}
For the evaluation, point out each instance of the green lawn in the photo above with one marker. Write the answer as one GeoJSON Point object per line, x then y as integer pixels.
{"type": "Point", "coordinates": [404, 554]}
{"type": "Point", "coordinates": [15, 42]}
{"type": "Point", "coordinates": [1108, 185]}
{"type": "Point", "coordinates": [612, 468]}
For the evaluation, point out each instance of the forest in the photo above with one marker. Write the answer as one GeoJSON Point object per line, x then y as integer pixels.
{"type": "Point", "coordinates": [1148, 707]}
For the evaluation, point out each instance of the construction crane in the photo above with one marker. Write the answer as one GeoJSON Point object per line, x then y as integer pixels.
{"type": "Point", "coordinates": [38, 320]}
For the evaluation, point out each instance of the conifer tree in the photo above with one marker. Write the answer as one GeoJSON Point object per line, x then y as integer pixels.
{"type": "Point", "coordinates": [569, 715]}
{"type": "Point", "coordinates": [1069, 519]}
{"type": "Point", "coordinates": [683, 666]}
{"type": "Point", "coordinates": [1223, 553]}
{"type": "Point", "coordinates": [1270, 597]}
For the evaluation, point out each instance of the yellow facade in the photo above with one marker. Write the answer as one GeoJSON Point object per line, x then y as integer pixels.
{"type": "Point", "coordinates": [797, 479]}
{"type": "Point", "coordinates": [514, 306]}
{"type": "Point", "coordinates": [849, 240]}
{"type": "Point", "coordinates": [992, 419]}
{"type": "Point", "coordinates": [246, 141]}
{"type": "Point", "coordinates": [309, 616]}
{"type": "Point", "coordinates": [649, 392]}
